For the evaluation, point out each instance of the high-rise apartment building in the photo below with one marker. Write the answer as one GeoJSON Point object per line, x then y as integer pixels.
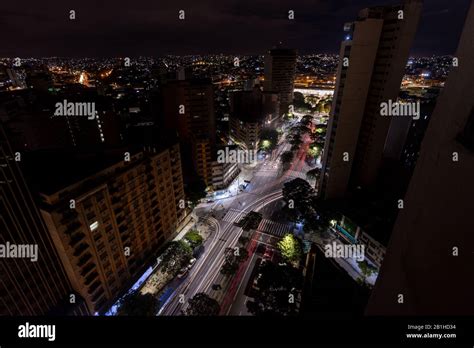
{"type": "Point", "coordinates": [429, 259]}
{"type": "Point", "coordinates": [223, 174]}
{"type": "Point", "coordinates": [111, 216]}
{"type": "Point", "coordinates": [202, 158]}
{"type": "Point", "coordinates": [189, 108]}
{"type": "Point", "coordinates": [31, 283]}
{"type": "Point", "coordinates": [373, 59]}
{"type": "Point", "coordinates": [280, 70]}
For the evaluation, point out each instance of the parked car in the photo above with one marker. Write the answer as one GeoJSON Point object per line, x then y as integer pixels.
{"type": "Point", "coordinates": [183, 272]}
{"type": "Point", "coordinates": [191, 263]}
{"type": "Point", "coordinates": [216, 287]}
{"type": "Point", "coordinates": [268, 254]}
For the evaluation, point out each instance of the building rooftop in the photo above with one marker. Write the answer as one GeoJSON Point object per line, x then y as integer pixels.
{"type": "Point", "coordinates": [50, 171]}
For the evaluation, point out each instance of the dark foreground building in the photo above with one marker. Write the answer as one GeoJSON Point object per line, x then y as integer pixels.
{"type": "Point", "coordinates": [428, 265]}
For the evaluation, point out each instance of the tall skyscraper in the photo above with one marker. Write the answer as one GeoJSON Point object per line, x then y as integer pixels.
{"type": "Point", "coordinates": [428, 266]}
{"type": "Point", "coordinates": [373, 59]}
{"type": "Point", "coordinates": [280, 69]}
{"type": "Point", "coordinates": [29, 284]}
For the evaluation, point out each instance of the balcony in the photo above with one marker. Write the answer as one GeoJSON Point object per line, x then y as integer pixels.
{"type": "Point", "coordinates": [93, 287]}
{"type": "Point", "coordinates": [76, 238]}
{"type": "Point", "coordinates": [72, 227]}
{"type": "Point", "coordinates": [68, 216]}
{"type": "Point", "coordinates": [87, 269]}
{"type": "Point", "coordinates": [80, 249]}
{"type": "Point", "coordinates": [84, 259]}
{"type": "Point", "coordinates": [90, 278]}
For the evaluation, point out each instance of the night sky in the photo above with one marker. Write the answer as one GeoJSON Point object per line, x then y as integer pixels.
{"type": "Point", "coordinates": [151, 27]}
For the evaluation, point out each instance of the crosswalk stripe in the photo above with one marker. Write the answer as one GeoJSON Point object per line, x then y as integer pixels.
{"type": "Point", "coordinates": [274, 228]}
{"type": "Point", "coordinates": [266, 226]}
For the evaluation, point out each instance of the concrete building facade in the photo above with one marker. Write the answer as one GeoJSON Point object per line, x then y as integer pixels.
{"type": "Point", "coordinates": [109, 226]}
{"type": "Point", "coordinates": [429, 257]}
{"type": "Point", "coordinates": [370, 71]}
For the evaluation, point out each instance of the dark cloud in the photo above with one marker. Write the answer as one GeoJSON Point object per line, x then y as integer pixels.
{"type": "Point", "coordinates": [143, 27]}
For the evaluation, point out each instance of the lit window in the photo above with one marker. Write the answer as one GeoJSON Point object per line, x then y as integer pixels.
{"type": "Point", "coordinates": [93, 226]}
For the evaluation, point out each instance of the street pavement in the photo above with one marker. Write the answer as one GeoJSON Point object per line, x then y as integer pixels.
{"type": "Point", "coordinates": [263, 194]}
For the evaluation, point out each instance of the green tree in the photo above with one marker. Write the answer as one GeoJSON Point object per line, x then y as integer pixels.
{"type": "Point", "coordinates": [306, 120]}
{"type": "Point", "coordinates": [243, 240]}
{"type": "Point", "coordinates": [233, 259]}
{"type": "Point", "coordinates": [320, 106]}
{"type": "Point", "coordinates": [326, 108]}
{"type": "Point", "coordinates": [314, 174]}
{"type": "Point", "coordinates": [277, 286]}
{"type": "Point", "coordinates": [366, 269]}
{"type": "Point", "coordinates": [290, 248]}
{"type": "Point", "coordinates": [243, 255]}
{"type": "Point", "coordinates": [313, 152]}
{"type": "Point", "coordinates": [229, 267]}
{"type": "Point", "coordinates": [268, 138]}
{"type": "Point", "coordinates": [250, 221]}
{"type": "Point", "coordinates": [194, 238]}
{"type": "Point", "coordinates": [298, 191]}
{"type": "Point", "coordinates": [136, 304]}
{"type": "Point", "coordinates": [202, 305]}
{"type": "Point", "coordinates": [292, 214]}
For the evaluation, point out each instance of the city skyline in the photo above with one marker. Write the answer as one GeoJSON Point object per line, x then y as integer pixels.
{"type": "Point", "coordinates": [325, 188]}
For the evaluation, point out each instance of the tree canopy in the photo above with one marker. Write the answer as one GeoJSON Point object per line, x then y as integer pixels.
{"type": "Point", "coordinates": [176, 256]}
{"type": "Point", "coordinates": [278, 286]}
{"type": "Point", "coordinates": [136, 304]}
{"type": "Point", "coordinates": [194, 238]}
{"type": "Point", "coordinates": [202, 305]}
{"type": "Point", "coordinates": [268, 138]}
{"type": "Point", "coordinates": [290, 248]}
{"type": "Point", "coordinates": [233, 258]}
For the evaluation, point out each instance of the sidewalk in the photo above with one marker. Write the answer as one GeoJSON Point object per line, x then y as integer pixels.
{"type": "Point", "coordinates": [189, 225]}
